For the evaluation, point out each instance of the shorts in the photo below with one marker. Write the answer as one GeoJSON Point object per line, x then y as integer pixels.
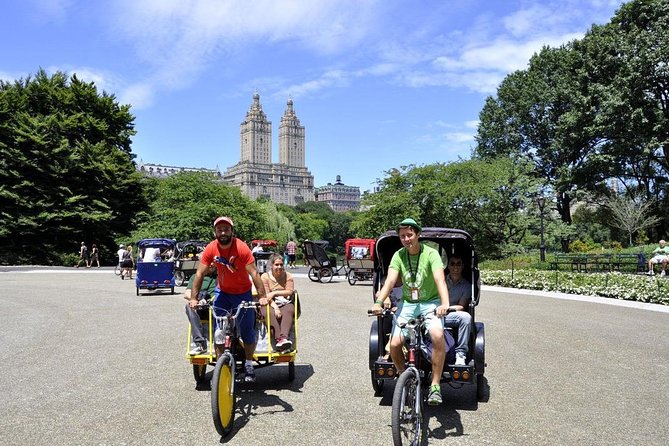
{"type": "Point", "coordinates": [409, 310]}
{"type": "Point", "coordinates": [127, 263]}
{"type": "Point", "coordinates": [246, 323]}
{"type": "Point", "coordinates": [658, 259]}
{"type": "Point", "coordinates": [291, 257]}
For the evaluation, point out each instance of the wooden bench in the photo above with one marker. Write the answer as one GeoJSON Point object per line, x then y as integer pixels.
{"type": "Point", "coordinates": [600, 262]}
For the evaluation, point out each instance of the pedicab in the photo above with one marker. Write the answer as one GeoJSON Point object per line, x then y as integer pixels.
{"type": "Point", "coordinates": [261, 257]}
{"type": "Point", "coordinates": [411, 387]}
{"type": "Point", "coordinates": [221, 330]}
{"type": "Point", "coordinates": [359, 259]}
{"type": "Point", "coordinates": [156, 273]}
{"type": "Point", "coordinates": [322, 268]}
{"type": "Point", "coordinates": [187, 259]}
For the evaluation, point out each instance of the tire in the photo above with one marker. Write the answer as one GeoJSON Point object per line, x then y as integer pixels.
{"type": "Point", "coordinates": [291, 371]}
{"type": "Point", "coordinates": [117, 270]}
{"type": "Point", "coordinates": [223, 394]}
{"type": "Point", "coordinates": [137, 292]}
{"type": "Point", "coordinates": [172, 290]}
{"type": "Point", "coordinates": [199, 372]}
{"type": "Point", "coordinates": [351, 278]}
{"type": "Point", "coordinates": [481, 388]}
{"type": "Point", "coordinates": [377, 385]}
{"type": "Point", "coordinates": [325, 275]}
{"type": "Point", "coordinates": [313, 274]}
{"type": "Point", "coordinates": [407, 416]}
{"type": "Point", "coordinates": [180, 278]}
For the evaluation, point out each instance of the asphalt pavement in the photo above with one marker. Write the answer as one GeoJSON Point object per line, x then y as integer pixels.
{"type": "Point", "coordinates": [85, 361]}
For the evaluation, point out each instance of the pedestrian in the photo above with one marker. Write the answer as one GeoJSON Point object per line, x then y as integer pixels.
{"type": "Point", "coordinates": [83, 256]}
{"type": "Point", "coordinates": [95, 255]}
{"type": "Point", "coordinates": [291, 249]}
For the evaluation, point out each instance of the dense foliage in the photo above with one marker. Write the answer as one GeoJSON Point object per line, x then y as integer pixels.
{"type": "Point", "coordinates": [66, 169]}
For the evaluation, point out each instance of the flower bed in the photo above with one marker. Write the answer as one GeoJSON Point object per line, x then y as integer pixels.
{"type": "Point", "coordinates": [614, 285]}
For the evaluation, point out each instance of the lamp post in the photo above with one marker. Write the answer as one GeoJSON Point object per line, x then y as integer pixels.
{"type": "Point", "coordinates": [541, 201]}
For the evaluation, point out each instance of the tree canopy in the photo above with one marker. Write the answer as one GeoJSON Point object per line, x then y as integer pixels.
{"type": "Point", "coordinates": [66, 169]}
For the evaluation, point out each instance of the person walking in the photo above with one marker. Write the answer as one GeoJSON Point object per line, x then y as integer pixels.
{"type": "Point", "coordinates": [291, 249]}
{"type": "Point", "coordinates": [95, 254]}
{"type": "Point", "coordinates": [83, 256]}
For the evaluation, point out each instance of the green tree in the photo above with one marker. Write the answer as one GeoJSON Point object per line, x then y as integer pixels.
{"type": "Point", "coordinates": [66, 169]}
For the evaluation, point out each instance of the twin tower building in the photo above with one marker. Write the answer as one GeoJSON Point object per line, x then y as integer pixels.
{"type": "Point", "coordinates": [288, 181]}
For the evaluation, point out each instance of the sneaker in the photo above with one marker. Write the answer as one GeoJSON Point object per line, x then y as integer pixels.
{"type": "Point", "coordinates": [663, 273]}
{"type": "Point", "coordinates": [250, 375]}
{"type": "Point", "coordinates": [434, 396]}
{"type": "Point", "coordinates": [197, 349]}
{"type": "Point", "coordinates": [281, 341]}
{"type": "Point", "coordinates": [460, 359]}
{"type": "Point", "coordinates": [286, 345]}
{"type": "Point", "coordinates": [651, 273]}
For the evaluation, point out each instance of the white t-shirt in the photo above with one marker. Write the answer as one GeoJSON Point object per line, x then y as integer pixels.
{"type": "Point", "coordinates": [120, 253]}
{"type": "Point", "coordinates": [151, 254]}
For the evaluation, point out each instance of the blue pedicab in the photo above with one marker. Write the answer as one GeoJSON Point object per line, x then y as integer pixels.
{"type": "Point", "coordinates": [155, 273]}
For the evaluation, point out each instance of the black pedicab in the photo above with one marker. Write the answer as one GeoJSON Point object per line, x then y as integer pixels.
{"type": "Point", "coordinates": [187, 259]}
{"type": "Point", "coordinates": [359, 259]}
{"type": "Point", "coordinates": [154, 273]}
{"type": "Point", "coordinates": [321, 267]}
{"type": "Point", "coordinates": [411, 387]}
{"type": "Point", "coordinates": [268, 247]}
{"type": "Point", "coordinates": [229, 362]}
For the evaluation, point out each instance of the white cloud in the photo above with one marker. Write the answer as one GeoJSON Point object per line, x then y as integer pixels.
{"type": "Point", "coordinates": [459, 137]}
{"type": "Point", "coordinates": [140, 96]}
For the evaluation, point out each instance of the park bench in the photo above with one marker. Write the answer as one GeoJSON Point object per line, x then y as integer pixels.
{"type": "Point", "coordinates": [600, 262]}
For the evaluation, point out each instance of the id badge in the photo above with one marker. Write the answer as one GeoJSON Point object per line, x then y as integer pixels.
{"type": "Point", "coordinates": [414, 294]}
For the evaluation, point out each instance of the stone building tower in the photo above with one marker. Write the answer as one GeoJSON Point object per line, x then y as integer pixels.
{"type": "Point", "coordinates": [256, 135]}
{"type": "Point", "coordinates": [291, 138]}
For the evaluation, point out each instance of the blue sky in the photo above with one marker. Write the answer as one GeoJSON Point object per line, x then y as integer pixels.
{"type": "Point", "coordinates": [377, 84]}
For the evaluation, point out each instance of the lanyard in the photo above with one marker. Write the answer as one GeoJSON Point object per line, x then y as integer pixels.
{"type": "Point", "coordinates": [414, 273]}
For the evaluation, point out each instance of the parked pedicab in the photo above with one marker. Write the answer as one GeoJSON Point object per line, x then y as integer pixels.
{"type": "Point", "coordinates": [411, 387]}
{"type": "Point", "coordinates": [359, 259]}
{"type": "Point", "coordinates": [229, 362]}
{"type": "Point", "coordinates": [321, 267]}
{"type": "Point", "coordinates": [155, 273]}
{"type": "Point", "coordinates": [187, 259]}
{"type": "Point", "coordinates": [261, 257]}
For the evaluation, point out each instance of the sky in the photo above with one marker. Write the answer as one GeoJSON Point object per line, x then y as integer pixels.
{"type": "Point", "coordinates": [377, 84]}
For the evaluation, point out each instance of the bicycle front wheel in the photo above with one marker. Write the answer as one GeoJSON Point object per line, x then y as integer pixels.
{"type": "Point", "coordinates": [117, 270]}
{"type": "Point", "coordinates": [407, 416]}
{"type": "Point", "coordinates": [223, 394]}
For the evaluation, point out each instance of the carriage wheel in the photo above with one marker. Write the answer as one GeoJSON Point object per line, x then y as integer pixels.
{"type": "Point", "coordinates": [313, 274]}
{"type": "Point", "coordinates": [407, 417]}
{"type": "Point", "coordinates": [223, 398]}
{"type": "Point", "coordinates": [199, 373]}
{"type": "Point", "coordinates": [325, 275]}
{"type": "Point", "coordinates": [179, 278]}
{"type": "Point", "coordinates": [351, 278]}
{"type": "Point", "coordinates": [377, 385]}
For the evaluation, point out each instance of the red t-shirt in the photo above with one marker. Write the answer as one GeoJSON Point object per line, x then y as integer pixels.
{"type": "Point", "coordinates": [233, 277]}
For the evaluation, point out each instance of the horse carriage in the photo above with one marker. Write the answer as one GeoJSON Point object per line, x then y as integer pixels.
{"type": "Point", "coordinates": [266, 249]}
{"type": "Point", "coordinates": [322, 268]}
{"type": "Point", "coordinates": [359, 259]}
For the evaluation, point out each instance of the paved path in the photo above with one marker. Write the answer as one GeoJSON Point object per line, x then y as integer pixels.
{"type": "Point", "coordinates": [85, 361]}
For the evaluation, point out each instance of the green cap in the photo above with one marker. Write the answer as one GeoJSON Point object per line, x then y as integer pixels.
{"type": "Point", "coordinates": [410, 222]}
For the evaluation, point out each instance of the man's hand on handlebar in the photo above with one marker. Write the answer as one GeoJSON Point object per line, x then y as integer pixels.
{"type": "Point", "coordinates": [442, 310]}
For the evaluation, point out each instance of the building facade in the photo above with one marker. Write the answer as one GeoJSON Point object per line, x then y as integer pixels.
{"type": "Point", "coordinates": [288, 181]}
{"type": "Point", "coordinates": [339, 196]}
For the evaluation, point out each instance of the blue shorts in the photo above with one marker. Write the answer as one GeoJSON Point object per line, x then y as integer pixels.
{"type": "Point", "coordinates": [410, 310]}
{"type": "Point", "coordinates": [246, 323]}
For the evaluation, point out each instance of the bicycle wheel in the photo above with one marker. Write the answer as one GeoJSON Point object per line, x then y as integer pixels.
{"type": "Point", "coordinates": [117, 270]}
{"type": "Point", "coordinates": [223, 398]}
{"type": "Point", "coordinates": [325, 275]}
{"type": "Point", "coordinates": [407, 416]}
{"type": "Point", "coordinates": [313, 274]}
{"type": "Point", "coordinates": [351, 278]}
{"type": "Point", "coordinates": [179, 278]}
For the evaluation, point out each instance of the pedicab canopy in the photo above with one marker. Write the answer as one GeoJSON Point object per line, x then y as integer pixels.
{"type": "Point", "coordinates": [162, 243]}
{"type": "Point", "coordinates": [265, 243]}
{"type": "Point", "coordinates": [360, 248]}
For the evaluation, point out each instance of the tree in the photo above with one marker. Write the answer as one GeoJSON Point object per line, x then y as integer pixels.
{"type": "Point", "coordinates": [631, 215]}
{"type": "Point", "coordinates": [66, 169]}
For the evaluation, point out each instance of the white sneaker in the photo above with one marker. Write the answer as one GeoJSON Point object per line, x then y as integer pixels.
{"type": "Point", "coordinates": [651, 273]}
{"type": "Point", "coordinates": [460, 359]}
{"type": "Point", "coordinates": [198, 349]}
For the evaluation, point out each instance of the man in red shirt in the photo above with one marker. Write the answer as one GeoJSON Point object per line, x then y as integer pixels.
{"type": "Point", "coordinates": [236, 268]}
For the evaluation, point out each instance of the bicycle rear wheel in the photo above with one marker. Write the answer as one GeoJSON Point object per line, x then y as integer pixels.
{"type": "Point", "coordinates": [407, 414]}
{"type": "Point", "coordinates": [223, 394]}
{"type": "Point", "coordinates": [117, 270]}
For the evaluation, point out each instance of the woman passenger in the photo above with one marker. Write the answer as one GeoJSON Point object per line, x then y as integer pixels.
{"type": "Point", "coordinates": [279, 289]}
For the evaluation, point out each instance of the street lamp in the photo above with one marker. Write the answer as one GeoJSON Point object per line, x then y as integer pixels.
{"type": "Point", "coordinates": [541, 201]}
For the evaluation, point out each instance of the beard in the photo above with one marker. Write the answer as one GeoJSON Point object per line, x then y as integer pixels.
{"type": "Point", "coordinates": [224, 239]}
